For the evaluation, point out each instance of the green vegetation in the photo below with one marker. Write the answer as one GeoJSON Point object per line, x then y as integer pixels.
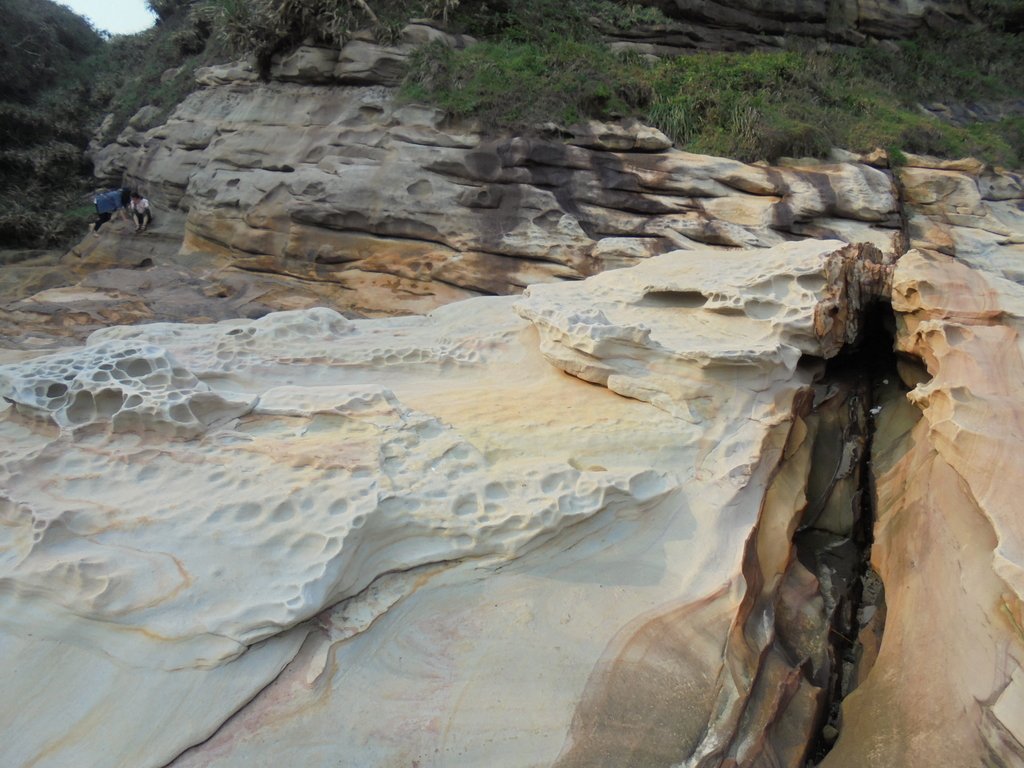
{"type": "Point", "coordinates": [42, 45]}
{"type": "Point", "coordinates": [266, 27]}
{"type": "Point", "coordinates": [62, 78]}
{"type": "Point", "coordinates": [539, 61]}
{"type": "Point", "coordinates": [157, 67]}
{"type": "Point", "coordinates": [565, 82]}
{"type": "Point", "coordinates": [765, 105]}
{"type": "Point", "coordinates": [545, 61]}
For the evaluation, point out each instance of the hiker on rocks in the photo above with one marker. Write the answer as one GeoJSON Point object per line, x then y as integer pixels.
{"type": "Point", "coordinates": [140, 209]}
{"type": "Point", "coordinates": [107, 203]}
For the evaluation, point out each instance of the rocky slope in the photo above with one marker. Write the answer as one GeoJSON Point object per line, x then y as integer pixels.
{"type": "Point", "coordinates": [764, 23]}
{"type": "Point", "coordinates": [292, 194]}
{"type": "Point", "coordinates": [614, 521]}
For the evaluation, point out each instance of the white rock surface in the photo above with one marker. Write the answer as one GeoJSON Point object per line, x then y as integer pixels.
{"type": "Point", "coordinates": [419, 541]}
{"type": "Point", "coordinates": [548, 532]}
{"type": "Point", "coordinates": [456, 525]}
{"type": "Point", "coordinates": [129, 386]}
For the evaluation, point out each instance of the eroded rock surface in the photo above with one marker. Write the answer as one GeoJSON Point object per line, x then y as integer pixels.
{"type": "Point", "coordinates": [547, 530]}
{"type": "Point", "coordinates": [421, 539]}
{"type": "Point", "coordinates": [430, 509]}
{"type": "Point", "coordinates": [947, 535]}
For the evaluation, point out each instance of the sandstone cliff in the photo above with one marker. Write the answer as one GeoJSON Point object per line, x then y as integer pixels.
{"type": "Point", "coordinates": [613, 521]}
{"type": "Point", "coordinates": [288, 195]}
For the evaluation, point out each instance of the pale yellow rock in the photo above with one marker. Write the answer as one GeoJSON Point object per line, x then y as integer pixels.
{"type": "Point", "coordinates": [976, 218]}
{"type": "Point", "coordinates": [624, 135]}
{"type": "Point", "coordinates": [949, 544]}
{"type": "Point", "coordinates": [241, 71]}
{"type": "Point", "coordinates": [965, 165]}
{"type": "Point", "coordinates": [461, 529]}
{"type": "Point", "coordinates": [456, 530]}
{"type": "Point", "coordinates": [100, 692]}
{"type": "Point", "coordinates": [552, 532]}
{"type": "Point", "coordinates": [955, 192]}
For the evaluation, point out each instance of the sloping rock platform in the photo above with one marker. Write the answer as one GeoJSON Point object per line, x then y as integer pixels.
{"type": "Point", "coordinates": [305, 539]}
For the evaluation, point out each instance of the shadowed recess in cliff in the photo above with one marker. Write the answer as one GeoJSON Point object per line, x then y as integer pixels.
{"type": "Point", "coordinates": [835, 536]}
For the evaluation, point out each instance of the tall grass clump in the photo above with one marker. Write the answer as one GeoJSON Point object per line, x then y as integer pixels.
{"type": "Point", "coordinates": [740, 105]}
{"type": "Point", "coordinates": [263, 28]}
{"type": "Point", "coordinates": [566, 82]}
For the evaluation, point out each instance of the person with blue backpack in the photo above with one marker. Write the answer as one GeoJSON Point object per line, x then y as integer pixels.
{"type": "Point", "coordinates": [107, 203]}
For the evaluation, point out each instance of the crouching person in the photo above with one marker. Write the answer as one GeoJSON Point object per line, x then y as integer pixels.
{"type": "Point", "coordinates": [140, 209]}
{"type": "Point", "coordinates": [107, 203]}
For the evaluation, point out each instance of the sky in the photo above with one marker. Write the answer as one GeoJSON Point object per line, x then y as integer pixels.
{"type": "Point", "coordinates": [119, 17]}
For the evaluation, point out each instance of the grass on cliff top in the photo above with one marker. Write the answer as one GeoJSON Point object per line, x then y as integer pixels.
{"type": "Point", "coordinates": [515, 85]}
{"type": "Point", "coordinates": [761, 106]}
{"type": "Point", "coordinates": [751, 106]}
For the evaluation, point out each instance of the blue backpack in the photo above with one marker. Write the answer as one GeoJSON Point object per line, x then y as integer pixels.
{"type": "Point", "coordinates": [108, 202]}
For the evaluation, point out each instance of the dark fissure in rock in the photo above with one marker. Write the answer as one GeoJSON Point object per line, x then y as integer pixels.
{"type": "Point", "coordinates": [835, 536]}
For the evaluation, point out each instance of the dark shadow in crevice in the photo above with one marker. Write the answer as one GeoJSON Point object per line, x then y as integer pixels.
{"type": "Point", "coordinates": [836, 534]}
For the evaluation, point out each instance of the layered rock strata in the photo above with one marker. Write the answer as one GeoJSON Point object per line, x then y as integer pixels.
{"type": "Point", "coordinates": [944, 458]}
{"type": "Point", "coordinates": [613, 563]}
{"type": "Point", "coordinates": [948, 533]}
{"type": "Point", "coordinates": [749, 24]}
{"type": "Point", "coordinates": [389, 208]}
{"type": "Point", "coordinates": [387, 202]}
{"type": "Point", "coordinates": [318, 188]}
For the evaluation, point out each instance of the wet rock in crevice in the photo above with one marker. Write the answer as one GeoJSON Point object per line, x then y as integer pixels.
{"type": "Point", "coordinates": [834, 538]}
{"type": "Point", "coordinates": [810, 625]}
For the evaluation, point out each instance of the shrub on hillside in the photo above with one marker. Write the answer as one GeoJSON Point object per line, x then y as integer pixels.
{"type": "Point", "coordinates": [266, 27]}
{"type": "Point", "coordinates": [751, 106]}
{"type": "Point", "coordinates": [40, 41]}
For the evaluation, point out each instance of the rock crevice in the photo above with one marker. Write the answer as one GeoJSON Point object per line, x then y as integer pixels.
{"type": "Point", "coordinates": [417, 540]}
